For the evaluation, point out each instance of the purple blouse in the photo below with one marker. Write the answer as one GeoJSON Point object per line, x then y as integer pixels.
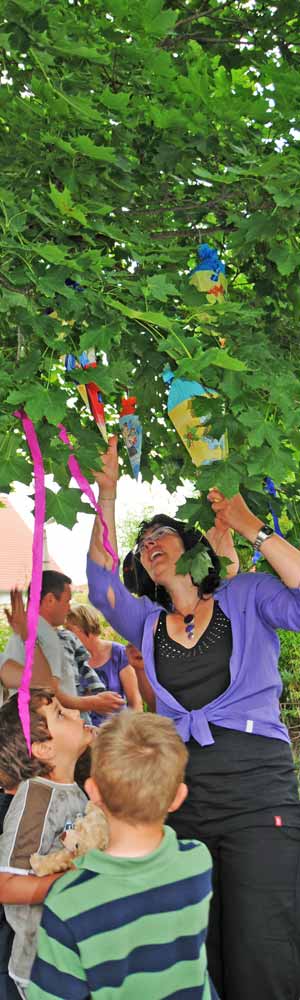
{"type": "Point", "coordinates": [256, 604]}
{"type": "Point", "coordinates": [109, 674]}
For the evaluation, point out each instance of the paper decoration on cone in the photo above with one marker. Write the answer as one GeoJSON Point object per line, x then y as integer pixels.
{"type": "Point", "coordinates": [193, 430]}
{"type": "Point", "coordinates": [90, 393]}
{"type": "Point", "coordinates": [209, 274]}
{"type": "Point", "coordinates": [132, 433]}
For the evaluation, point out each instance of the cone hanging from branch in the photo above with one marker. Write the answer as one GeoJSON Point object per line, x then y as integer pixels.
{"type": "Point", "coordinates": [193, 430]}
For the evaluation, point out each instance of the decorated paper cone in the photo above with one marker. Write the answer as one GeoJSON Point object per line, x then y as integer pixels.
{"type": "Point", "coordinates": [96, 407]}
{"type": "Point", "coordinates": [193, 430]}
{"type": "Point", "coordinates": [209, 275]}
{"type": "Point", "coordinates": [132, 433]}
{"type": "Point", "coordinates": [90, 393]}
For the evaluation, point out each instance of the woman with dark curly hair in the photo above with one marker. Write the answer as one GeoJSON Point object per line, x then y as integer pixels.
{"type": "Point", "coordinates": [211, 664]}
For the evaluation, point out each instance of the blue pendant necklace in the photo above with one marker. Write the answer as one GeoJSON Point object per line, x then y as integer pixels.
{"type": "Point", "coordinates": [189, 621]}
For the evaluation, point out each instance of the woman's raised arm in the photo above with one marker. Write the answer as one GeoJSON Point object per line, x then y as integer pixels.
{"type": "Point", "coordinates": [107, 480]}
{"type": "Point", "coordinates": [282, 556]}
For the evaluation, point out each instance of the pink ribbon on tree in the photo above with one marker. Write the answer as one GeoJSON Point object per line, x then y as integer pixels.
{"type": "Point", "coordinates": [37, 571]}
{"type": "Point", "coordinates": [85, 487]}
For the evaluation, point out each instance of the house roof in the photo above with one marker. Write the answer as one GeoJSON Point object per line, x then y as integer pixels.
{"type": "Point", "coordinates": [16, 549]}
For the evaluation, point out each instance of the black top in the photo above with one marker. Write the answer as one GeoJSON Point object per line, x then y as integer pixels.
{"type": "Point", "coordinates": [241, 779]}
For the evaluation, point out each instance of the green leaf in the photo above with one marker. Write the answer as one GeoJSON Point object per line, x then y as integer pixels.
{"type": "Point", "coordinates": [224, 563]}
{"type": "Point", "coordinates": [160, 287]}
{"type": "Point", "coordinates": [56, 406]}
{"type": "Point", "coordinates": [195, 561]}
{"type": "Point", "coordinates": [152, 318]}
{"type": "Point", "coordinates": [116, 101]}
{"type": "Point", "coordinates": [63, 506]}
{"type": "Point", "coordinates": [221, 358]}
{"type": "Point", "coordinates": [61, 199]}
{"type": "Point", "coordinates": [87, 147]}
{"type": "Point", "coordinates": [37, 403]}
{"type": "Point", "coordinates": [285, 258]}
{"type": "Point", "coordinates": [64, 202]}
{"type": "Point", "coordinates": [50, 252]}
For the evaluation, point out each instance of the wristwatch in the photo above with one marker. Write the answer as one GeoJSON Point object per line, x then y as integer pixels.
{"type": "Point", "coordinates": [264, 532]}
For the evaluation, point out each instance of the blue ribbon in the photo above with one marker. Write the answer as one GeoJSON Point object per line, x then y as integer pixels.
{"type": "Point", "coordinates": [271, 489]}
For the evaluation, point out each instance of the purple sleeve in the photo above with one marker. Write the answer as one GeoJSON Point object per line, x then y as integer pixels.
{"type": "Point", "coordinates": [276, 604]}
{"type": "Point", "coordinates": [129, 613]}
{"type": "Point", "coordinates": [121, 657]}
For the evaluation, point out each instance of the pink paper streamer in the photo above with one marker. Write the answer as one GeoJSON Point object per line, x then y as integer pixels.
{"type": "Point", "coordinates": [85, 487]}
{"type": "Point", "coordinates": [37, 571]}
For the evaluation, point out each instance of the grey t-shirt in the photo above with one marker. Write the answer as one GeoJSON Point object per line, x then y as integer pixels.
{"type": "Point", "coordinates": [34, 821]}
{"type": "Point", "coordinates": [60, 664]}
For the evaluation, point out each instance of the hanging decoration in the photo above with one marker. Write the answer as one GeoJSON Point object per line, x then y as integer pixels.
{"type": "Point", "coordinates": [132, 433]}
{"type": "Point", "coordinates": [37, 570]}
{"type": "Point", "coordinates": [90, 393]}
{"type": "Point", "coordinates": [193, 430]}
{"type": "Point", "coordinates": [209, 274]}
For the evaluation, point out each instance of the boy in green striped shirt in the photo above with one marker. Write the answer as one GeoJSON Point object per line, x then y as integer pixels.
{"type": "Point", "coordinates": [130, 922]}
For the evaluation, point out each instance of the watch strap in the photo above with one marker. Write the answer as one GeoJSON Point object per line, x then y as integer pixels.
{"type": "Point", "coordinates": [264, 532]}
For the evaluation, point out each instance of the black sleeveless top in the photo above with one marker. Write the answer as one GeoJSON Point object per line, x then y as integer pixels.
{"type": "Point", "coordinates": [206, 666]}
{"type": "Point", "coordinates": [241, 779]}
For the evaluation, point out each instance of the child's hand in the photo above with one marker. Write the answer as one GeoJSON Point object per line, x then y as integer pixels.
{"type": "Point", "coordinates": [16, 617]}
{"type": "Point", "coordinates": [106, 702]}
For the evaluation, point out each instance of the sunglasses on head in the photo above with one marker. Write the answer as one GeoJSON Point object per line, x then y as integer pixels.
{"type": "Point", "coordinates": [153, 536]}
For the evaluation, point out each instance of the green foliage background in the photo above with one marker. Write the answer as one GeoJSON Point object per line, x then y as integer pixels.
{"type": "Point", "coordinates": [130, 133]}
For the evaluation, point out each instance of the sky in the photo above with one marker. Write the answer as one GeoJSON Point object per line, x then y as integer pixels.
{"type": "Point", "coordinates": [69, 548]}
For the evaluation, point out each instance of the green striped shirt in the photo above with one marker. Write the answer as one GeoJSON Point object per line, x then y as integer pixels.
{"type": "Point", "coordinates": [132, 928]}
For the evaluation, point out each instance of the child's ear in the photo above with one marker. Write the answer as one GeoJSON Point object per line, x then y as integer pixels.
{"type": "Point", "coordinates": [92, 791]}
{"type": "Point", "coordinates": [43, 750]}
{"type": "Point", "coordinates": [181, 794]}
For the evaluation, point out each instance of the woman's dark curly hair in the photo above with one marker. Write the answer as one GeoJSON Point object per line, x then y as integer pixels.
{"type": "Point", "coordinates": [139, 582]}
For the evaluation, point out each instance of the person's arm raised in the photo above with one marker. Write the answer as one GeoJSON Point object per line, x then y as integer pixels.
{"type": "Point", "coordinates": [11, 670]}
{"type": "Point", "coordinates": [221, 540]}
{"type": "Point", "coordinates": [107, 480]}
{"type": "Point", "coordinates": [282, 556]}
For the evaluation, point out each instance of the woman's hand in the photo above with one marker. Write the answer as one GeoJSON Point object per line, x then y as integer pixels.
{"type": "Point", "coordinates": [234, 513]}
{"type": "Point", "coordinates": [107, 477]}
{"type": "Point", "coordinates": [16, 617]}
{"type": "Point", "coordinates": [221, 540]}
{"type": "Point", "coordinates": [134, 657]}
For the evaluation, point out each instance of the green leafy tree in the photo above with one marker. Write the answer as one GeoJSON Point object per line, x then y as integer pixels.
{"type": "Point", "coordinates": [130, 134]}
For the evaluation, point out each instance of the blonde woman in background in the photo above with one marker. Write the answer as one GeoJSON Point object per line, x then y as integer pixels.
{"type": "Point", "coordinates": [108, 659]}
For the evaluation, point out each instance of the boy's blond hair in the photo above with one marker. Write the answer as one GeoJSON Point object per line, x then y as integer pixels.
{"type": "Point", "coordinates": [138, 762]}
{"type": "Point", "coordinates": [85, 618]}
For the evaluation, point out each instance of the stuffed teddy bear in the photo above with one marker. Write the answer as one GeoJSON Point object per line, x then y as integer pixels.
{"type": "Point", "coordinates": [89, 832]}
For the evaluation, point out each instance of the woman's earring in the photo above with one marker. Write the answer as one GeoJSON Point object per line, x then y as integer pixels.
{"type": "Point", "coordinates": [155, 592]}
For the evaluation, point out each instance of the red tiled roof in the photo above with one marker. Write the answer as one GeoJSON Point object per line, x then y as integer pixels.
{"type": "Point", "coordinates": [15, 548]}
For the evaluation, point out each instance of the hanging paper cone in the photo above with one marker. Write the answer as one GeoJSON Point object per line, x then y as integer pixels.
{"type": "Point", "coordinates": [132, 433]}
{"type": "Point", "coordinates": [88, 360]}
{"type": "Point", "coordinates": [90, 393]}
{"type": "Point", "coordinates": [97, 408]}
{"type": "Point", "coordinates": [83, 393]}
{"type": "Point", "coordinates": [209, 275]}
{"type": "Point", "coordinates": [193, 430]}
